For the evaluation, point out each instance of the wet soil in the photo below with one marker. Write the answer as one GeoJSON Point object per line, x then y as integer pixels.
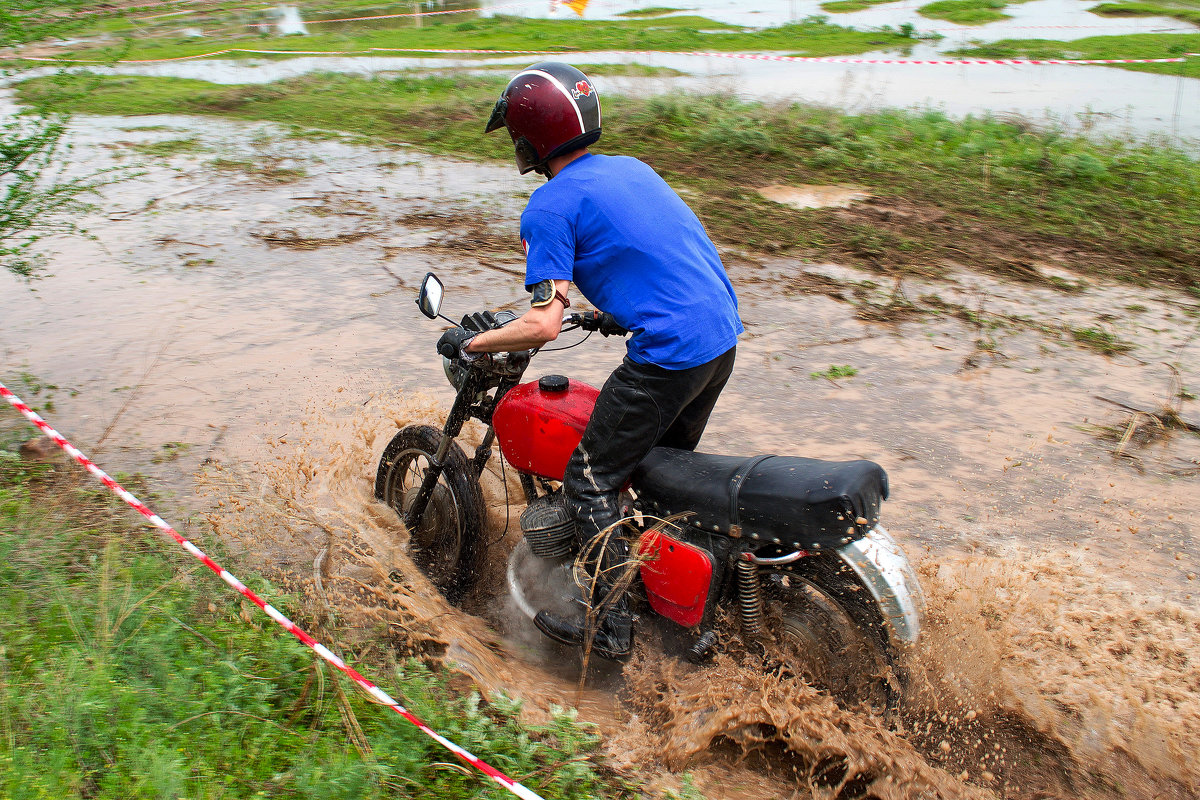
{"type": "Point", "coordinates": [253, 345]}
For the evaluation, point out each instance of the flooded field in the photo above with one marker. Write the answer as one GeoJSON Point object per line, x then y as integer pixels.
{"type": "Point", "coordinates": [1097, 99]}
{"type": "Point", "coordinates": [242, 329]}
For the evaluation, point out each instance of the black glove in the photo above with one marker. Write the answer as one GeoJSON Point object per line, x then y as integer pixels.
{"type": "Point", "coordinates": [609, 326]}
{"type": "Point", "coordinates": [454, 342]}
{"type": "Point", "coordinates": [601, 321]}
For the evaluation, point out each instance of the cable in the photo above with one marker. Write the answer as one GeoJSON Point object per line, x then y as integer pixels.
{"type": "Point", "coordinates": [568, 347]}
{"type": "Point", "coordinates": [507, 510]}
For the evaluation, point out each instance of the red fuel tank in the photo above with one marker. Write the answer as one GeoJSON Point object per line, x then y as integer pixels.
{"type": "Point", "coordinates": [540, 423]}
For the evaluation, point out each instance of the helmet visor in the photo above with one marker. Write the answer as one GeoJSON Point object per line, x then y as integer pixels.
{"type": "Point", "coordinates": [527, 159]}
{"type": "Point", "coordinates": [496, 121]}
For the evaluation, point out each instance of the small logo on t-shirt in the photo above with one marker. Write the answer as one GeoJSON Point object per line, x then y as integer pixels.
{"type": "Point", "coordinates": [582, 89]}
{"type": "Point", "coordinates": [525, 244]}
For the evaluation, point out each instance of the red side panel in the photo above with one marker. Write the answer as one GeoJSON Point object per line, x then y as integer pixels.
{"type": "Point", "coordinates": [539, 430]}
{"type": "Point", "coordinates": [677, 577]}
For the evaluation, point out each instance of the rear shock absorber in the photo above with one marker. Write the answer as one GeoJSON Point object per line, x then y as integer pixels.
{"type": "Point", "coordinates": [750, 597]}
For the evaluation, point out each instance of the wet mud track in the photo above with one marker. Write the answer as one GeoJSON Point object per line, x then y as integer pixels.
{"type": "Point", "coordinates": [242, 330]}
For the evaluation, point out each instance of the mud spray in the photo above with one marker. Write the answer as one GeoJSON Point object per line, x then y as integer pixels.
{"type": "Point", "coordinates": [1038, 677]}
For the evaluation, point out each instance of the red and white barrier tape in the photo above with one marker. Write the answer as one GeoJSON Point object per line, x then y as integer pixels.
{"type": "Point", "coordinates": [289, 626]}
{"type": "Point", "coordinates": [1011, 62]}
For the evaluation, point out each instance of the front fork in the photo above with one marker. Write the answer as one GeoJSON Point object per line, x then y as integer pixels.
{"type": "Point", "coordinates": [460, 412]}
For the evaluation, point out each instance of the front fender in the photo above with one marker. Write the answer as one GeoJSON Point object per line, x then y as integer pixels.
{"type": "Point", "coordinates": [883, 568]}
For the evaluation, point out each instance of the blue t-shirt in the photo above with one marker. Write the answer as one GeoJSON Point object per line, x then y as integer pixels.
{"type": "Point", "coordinates": [614, 228]}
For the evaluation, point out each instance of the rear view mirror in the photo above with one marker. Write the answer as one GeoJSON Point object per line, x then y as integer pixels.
{"type": "Point", "coordinates": [429, 300]}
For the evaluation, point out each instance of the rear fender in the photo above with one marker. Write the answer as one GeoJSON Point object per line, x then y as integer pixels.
{"type": "Point", "coordinates": [885, 571]}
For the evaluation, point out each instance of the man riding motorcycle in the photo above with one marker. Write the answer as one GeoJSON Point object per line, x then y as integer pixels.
{"type": "Point", "coordinates": [614, 228]}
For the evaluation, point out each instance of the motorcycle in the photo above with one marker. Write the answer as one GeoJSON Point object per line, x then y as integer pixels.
{"type": "Point", "coordinates": [791, 546]}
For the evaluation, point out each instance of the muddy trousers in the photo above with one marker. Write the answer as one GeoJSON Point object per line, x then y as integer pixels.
{"type": "Point", "coordinates": [641, 406]}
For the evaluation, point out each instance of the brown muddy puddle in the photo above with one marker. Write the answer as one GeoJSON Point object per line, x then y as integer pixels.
{"type": "Point", "coordinates": [249, 340]}
{"type": "Point", "coordinates": [808, 195]}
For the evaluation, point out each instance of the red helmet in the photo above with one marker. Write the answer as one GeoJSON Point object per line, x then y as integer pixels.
{"type": "Point", "coordinates": [549, 109]}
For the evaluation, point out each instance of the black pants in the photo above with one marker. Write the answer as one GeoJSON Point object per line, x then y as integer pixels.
{"type": "Point", "coordinates": [640, 406]}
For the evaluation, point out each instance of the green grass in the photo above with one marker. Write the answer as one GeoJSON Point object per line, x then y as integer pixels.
{"type": "Point", "coordinates": [30, 20]}
{"type": "Point", "coordinates": [965, 12]}
{"type": "Point", "coordinates": [268, 170]}
{"type": "Point", "coordinates": [844, 6]}
{"type": "Point", "coordinates": [1134, 45]}
{"type": "Point", "coordinates": [813, 37]}
{"type": "Point", "coordinates": [127, 670]}
{"type": "Point", "coordinates": [1100, 340]}
{"type": "Point", "coordinates": [1186, 13]}
{"type": "Point", "coordinates": [168, 147]}
{"type": "Point", "coordinates": [835, 372]}
{"type": "Point", "coordinates": [998, 195]}
{"type": "Point", "coordinates": [653, 11]}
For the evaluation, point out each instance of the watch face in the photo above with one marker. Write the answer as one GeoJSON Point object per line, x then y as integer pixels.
{"type": "Point", "coordinates": [543, 294]}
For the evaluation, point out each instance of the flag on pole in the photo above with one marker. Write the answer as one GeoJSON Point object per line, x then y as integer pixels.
{"type": "Point", "coordinates": [576, 5]}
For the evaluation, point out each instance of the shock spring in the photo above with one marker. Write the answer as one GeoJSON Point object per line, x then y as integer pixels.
{"type": "Point", "coordinates": [750, 598]}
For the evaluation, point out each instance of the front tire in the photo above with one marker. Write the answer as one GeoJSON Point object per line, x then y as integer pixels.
{"type": "Point", "coordinates": [448, 543]}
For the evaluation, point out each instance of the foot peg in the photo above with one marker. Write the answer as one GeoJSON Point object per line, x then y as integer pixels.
{"type": "Point", "coordinates": [699, 652]}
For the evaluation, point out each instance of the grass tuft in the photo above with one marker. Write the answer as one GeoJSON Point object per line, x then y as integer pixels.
{"type": "Point", "coordinates": [1100, 340]}
{"type": "Point", "coordinates": [965, 12]}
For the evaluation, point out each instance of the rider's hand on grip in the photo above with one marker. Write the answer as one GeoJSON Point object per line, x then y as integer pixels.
{"type": "Point", "coordinates": [601, 321]}
{"type": "Point", "coordinates": [609, 326]}
{"type": "Point", "coordinates": [454, 342]}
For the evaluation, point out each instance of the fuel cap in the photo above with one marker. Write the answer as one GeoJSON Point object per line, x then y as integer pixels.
{"type": "Point", "coordinates": [553, 383]}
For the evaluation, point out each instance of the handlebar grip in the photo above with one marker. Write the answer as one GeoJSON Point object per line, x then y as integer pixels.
{"type": "Point", "coordinates": [447, 350]}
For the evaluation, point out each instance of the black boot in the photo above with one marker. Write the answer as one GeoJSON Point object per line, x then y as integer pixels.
{"type": "Point", "coordinates": [613, 639]}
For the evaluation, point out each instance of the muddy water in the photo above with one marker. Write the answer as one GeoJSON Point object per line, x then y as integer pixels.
{"type": "Point", "coordinates": [252, 345]}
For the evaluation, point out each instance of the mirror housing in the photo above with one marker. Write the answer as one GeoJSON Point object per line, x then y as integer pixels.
{"type": "Point", "coordinates": [429, 299]}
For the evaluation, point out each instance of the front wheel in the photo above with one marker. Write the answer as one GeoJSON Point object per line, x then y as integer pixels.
{"type": "Point", "coordinates": [447, 544]}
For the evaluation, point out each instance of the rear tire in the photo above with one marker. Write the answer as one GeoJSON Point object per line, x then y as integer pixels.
{"type": "Point", "coordinates": [448, 544]}
{"type": "Point", "coordinates": [831, 625]}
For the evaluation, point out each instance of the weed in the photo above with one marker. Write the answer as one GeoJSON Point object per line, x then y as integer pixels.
{"type": "Point", "coordinates": [835, 372]}
{"type": "Point", "coordinates": [168, 147]}
{"type": "Point", "coordinates": [171, 451]}
{"type": "Point", "coordinates": [1134, 45]}
{"type": "Point", "coordinates": [1100, 340]}
{"type": "Point", "coordinates": [965, 12]}
{"type": "Point", "coordinates": [845, 6]}
{"type": "Point", "coordinates": [1142, 9]}
{"type": "Point", "coordinates": [1137, 308]}
{"type": "Point", "coordinates": [1066, 285]}
{"type": "Point", "coordinates": [268, 170]}
{"type": "Point", "coordinates": [652, 11]}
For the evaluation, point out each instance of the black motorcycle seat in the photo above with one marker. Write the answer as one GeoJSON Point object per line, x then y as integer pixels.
{"type": "Point", "coordinates": [786, 500]}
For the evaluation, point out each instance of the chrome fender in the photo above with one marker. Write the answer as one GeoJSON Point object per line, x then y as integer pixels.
{"type": "Point", "coordinates": [883, 568]}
